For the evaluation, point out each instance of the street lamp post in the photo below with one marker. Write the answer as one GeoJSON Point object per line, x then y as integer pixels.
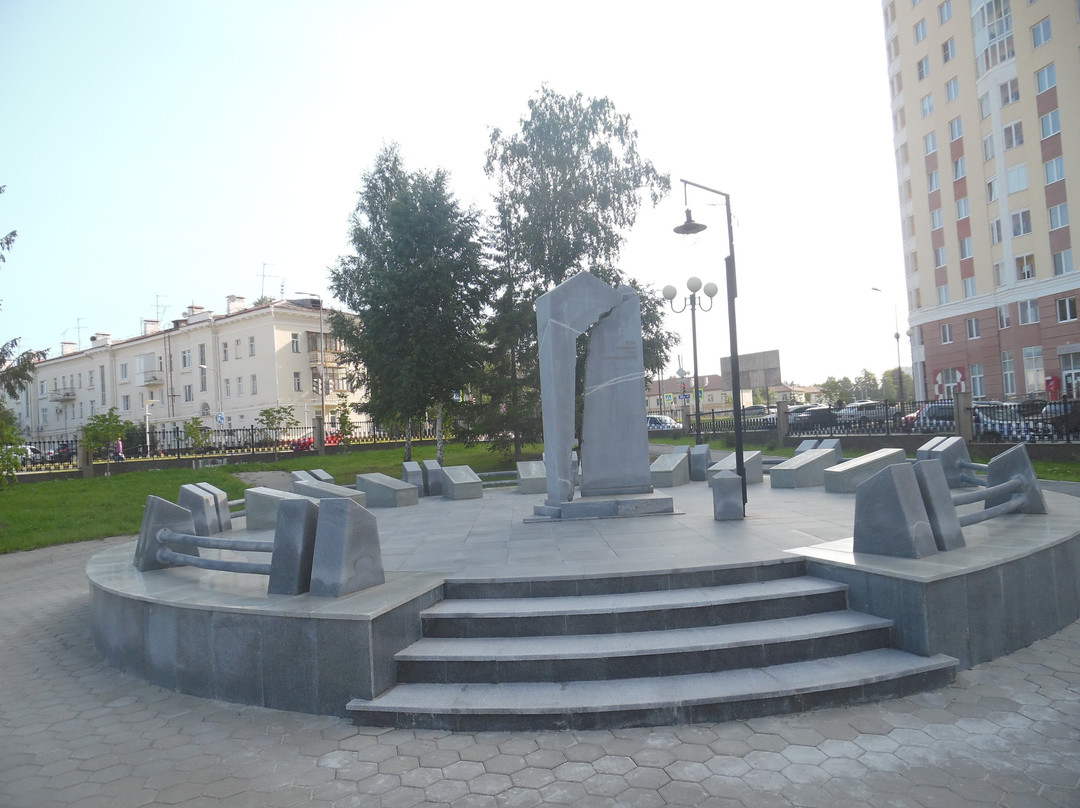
{"type": "Point", "coordinates": [896, 336]}
{"type": "Point", "coordinates": [690, 227]}
{"type": "Point", "coordinates": [693, 302]}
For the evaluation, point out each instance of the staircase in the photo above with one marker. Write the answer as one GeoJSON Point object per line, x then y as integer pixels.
{"type": "Point", "coordinates": [701, 645]}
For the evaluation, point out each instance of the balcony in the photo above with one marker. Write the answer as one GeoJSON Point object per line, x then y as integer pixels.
{"type": "Point", "coordinates": [152, 378]}
{"type": "Point", "coordinates": [62, 394]}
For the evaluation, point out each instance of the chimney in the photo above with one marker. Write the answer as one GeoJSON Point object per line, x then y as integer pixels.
{"type": "Point", "coordinates": [235, 303]}
{"type": "Point", "coordinates": [99, 339]}
{"type": "Point", "coordinates": [67, 348]}
{"type": "Point", "coordinates": [151, 327]}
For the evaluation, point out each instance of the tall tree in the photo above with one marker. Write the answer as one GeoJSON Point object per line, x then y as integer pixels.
{"type": "Point", "coordinates": [418, 286]}
{"type": "Point", "coordinates": [16, 369]}
{"type": "Point", "coordinates": [571, 182]}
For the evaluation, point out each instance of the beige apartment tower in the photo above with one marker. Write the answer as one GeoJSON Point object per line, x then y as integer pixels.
{"type": "Point", "coordinates": [986, 123]}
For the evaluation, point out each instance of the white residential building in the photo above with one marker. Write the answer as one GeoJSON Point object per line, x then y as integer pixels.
{"type": "Point", "coordinates": [223, 368]}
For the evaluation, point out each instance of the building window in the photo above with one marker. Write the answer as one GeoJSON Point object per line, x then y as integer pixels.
{"type": "Point", "coordinates": [899, 120]}
{"type": "Point", "coordinates": [930, 143]}
{"type": "Point", "coordinates": [965, 248]}
{"type": "Point", "coordinates": [1050, 123]}
{"type": "Point", "coordinates": [189, 394]}
{"type": "Point", "coordinates": [225, 352]}
{"type": "Point", "coordinates": [963, 208]}
{"type": "Point", "coordinates": [988, 147]}
{"type": "Point", "coordinates": [1014, 135]}
{"type": "Point", "coordinates": [1008, 375]}
{"type": "Point", "coordinates": [952, 89]}
{"type": "Point", "coordinates": [999, 274]}
{"type": "Point", "coordinates": [254, 385]}
{"type": "Point", "coordinates": [1016, 178]}
{"type": "Point", "coordinates": [295, 340]}
{"type": "Point", "coordinates": [1046, 78]}
{"type": "Point", "coordinates": [1025, 267]}
{"type": "Point", "coordinates": [251, 346]}
{"type": "Point", "coordinates": [896, 84]}
{"type": "Point", "coordinates": [956, 128]}
{"type": "Point", "coordinates": [1021, 223]}
{"type": "Point", "coordinates": [944, 12]}
{"type": "Point", "coordinates": [995, 232]}
{"type": "Point", "coordinates": [984, 106]}
{"type": "Point", "coordinates": [228, 388]}
{"type": "Point", "coordinates": [940, 261]}
{"type": "Point", "coordinates": [1004, 320]}
{"type": "Point", "coordinates": [948, 50]}
{"type": "Point", "coordinates": [933, 180]}
{"type": "Point", "coordinates": [943, 294]}
{"type": "Point", "coordinates": [1055, 169]}
{"type": "Point", "coordinates": [991, 189]}
{"type": "Point", "coordinates": [1010, 92]}
{"type": "Point", "coordinates": [922, 68]}
{"type": "Point", "coordinates": [901, 156]}
{"type": "Point", "coordinates": [1059, 216]}
{"type": "Point", "coordinates": [959, 168]}
{"type": "Point", "coordinates": [1063, 262]}
{"type": "Point", "coordinates": [936, 219]}
{"type": "Point", "coordinates": [185, 358]}
{"type": "Point", "coordinates": [969, 287]}
{"type": "Point", "coordinates": [202, 378]}
{"type": "Point", "coordinates": [1034, 380]}
{"type": "Point", "coordinates": [1027, 312]}
{"type": "Point", "coordinates": [911, 263]}
{"type": "Point", "coordinates": [894, 48]}
{"type": "Point", "coordinates": [125, 403]}
{"type": "Point", "coordinates": [972, 325]}
{"type": "Point", "coordinates": [1040, 33]}
{"type": "Point", "coordinates": [123, 373]}
{"type": "Point", "coordinates": [239, 386]}
{"type": "Point", "coordinates": [946, 333]}
{"type": "Point", "coordinates": [297, 386]}
{"type": "Point", "coordinates": [1066, 309]}
{"type": "Point", "coordinates": [927, 104]}
{"type": "Point", "coordinates": [978, 387]}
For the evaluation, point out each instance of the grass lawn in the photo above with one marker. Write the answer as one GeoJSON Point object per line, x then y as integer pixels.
{"type": "Point", "coordinates": [40, 514]}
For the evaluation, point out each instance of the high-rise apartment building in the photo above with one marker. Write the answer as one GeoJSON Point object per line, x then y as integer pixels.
{"type": "Point", "coordinates": [986, 122]}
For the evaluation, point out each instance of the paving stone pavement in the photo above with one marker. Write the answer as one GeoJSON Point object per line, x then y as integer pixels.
{"type": "Point", "coordinates": [74, 732]}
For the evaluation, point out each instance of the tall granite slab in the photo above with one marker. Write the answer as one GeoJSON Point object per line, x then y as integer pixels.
{"type": "Point", "coordinates": [726, 496]}
{"type": "Point", "coordinates": [562, 315]}
{"type": "Point", "coordinates": [412, 473]}
{"type": "Point", "coordinates": [347, 555]}
{"type": "Point", "coordinates": [890, 517]}
{"type": "Point", "coordinates": [614, 433]}
{"type": "Point", "coordinates": [700, 460]}
{"type": "Point", "coordinates": [432, 478]}
{"type": "Point", "coordinates": [294, 547]}
{"type": "Point", "coordinates": [937, 499]}
{"type": "Point", "coordinates": [160, 514]}
{"type": "Point", "coordinates": [203, 508]}
{"type": "Point", "coordinates": [261, 504]}
{"type": "Point", "coordinates": [221, 502]}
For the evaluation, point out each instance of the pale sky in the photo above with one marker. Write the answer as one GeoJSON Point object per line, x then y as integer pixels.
{"type": "Point", "coordinates": [158, 154]}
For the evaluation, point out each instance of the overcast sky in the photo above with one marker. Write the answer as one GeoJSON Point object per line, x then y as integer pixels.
{"type": "Point", "coordinates": [158, 154]}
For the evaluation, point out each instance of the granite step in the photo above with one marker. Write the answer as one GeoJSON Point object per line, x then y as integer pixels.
{"type": "Point", "coordinates": [632, 611]}
{"type": "Point", "coordinates": [661, 700]}
{"type": "Point", "coordinates": [633, 655]}
{"type": "Point", "coordinates": [631, 581]}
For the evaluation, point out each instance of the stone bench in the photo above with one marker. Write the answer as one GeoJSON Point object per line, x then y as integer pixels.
{"type": "Point", "coordinates": [532, 477]}
{"type": "Point", "coordinates": [806, 446]}
{"type": "Point", "coordinates": [432, 478]}
{"type": "Point", "coordinates": [261, 506]}
{"type": "Point", "coordinates": [413, 474]}
{"type": "Point", "coordinates": [845, 477]}
{"type": "Point", "coordinates": [317, 489]}
{"type": "Point", "coordinates": [670, 470]}
{"type": "Point", "coordinates": [301, 476]}
{"type": "Point", "coordinates": [461, 482]}
{"type": "Point", "coordinates": [322, 476]}
{"type": "Point", "coordinates": [383, 491]}
{"type": "Point", "coordinates": [751, 465]}
{"type": "Point", "coordinates": [804, 470]}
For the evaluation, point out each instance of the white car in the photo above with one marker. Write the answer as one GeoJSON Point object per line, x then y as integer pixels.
{"type": "Point", "coordinates": [661, 422]}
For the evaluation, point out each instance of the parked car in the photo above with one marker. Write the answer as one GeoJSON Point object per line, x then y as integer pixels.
{"type": "Point", "coordinates": [861, 412]}
{"type": "Point", "coordinates": [64, 453]}
{"type": "Point", "coordinates": [935, 416]}
{"type": "Point", "coordinates": [817, 416]}
{"type": "Point", "coordinates": [755, 411]}
{"type": "Point", "coordinates": [994, 421]}
{"type": "Point", "coordinates": [31, 455]}
{"type": "Point", "coordinates": [661, 422]}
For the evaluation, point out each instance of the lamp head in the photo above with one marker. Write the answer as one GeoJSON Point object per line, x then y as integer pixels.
{"type": "Point", "coordinates": [711, 289]}
{"type": "Point", "coordinates": [670, 292]}
{"type": "Point", "coordinates": [689, 227]}
{"type": "Point", "coordinates": [694, 285]}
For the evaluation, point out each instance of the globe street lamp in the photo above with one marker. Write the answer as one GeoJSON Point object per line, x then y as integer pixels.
{"type": "Point", "coordinates": [693, 301]}
{"type": "Point", "coordinates": [689, 227]}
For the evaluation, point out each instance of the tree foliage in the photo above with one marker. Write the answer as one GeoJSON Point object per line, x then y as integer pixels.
{"type": "Point", "coordinates": [570, 184]}
{"type": "Point", "coordinates": [418, 286]}
{"type": "Point", "coordinates": [101, 432]}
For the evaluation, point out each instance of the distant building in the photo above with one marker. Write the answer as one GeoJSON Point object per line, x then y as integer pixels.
{"type": "Point", "coordinates": [986, 132]}
{"type": "Point", "coordinates": [795, 394]}
{"type": "Point", "coordinates": [222, 368]}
